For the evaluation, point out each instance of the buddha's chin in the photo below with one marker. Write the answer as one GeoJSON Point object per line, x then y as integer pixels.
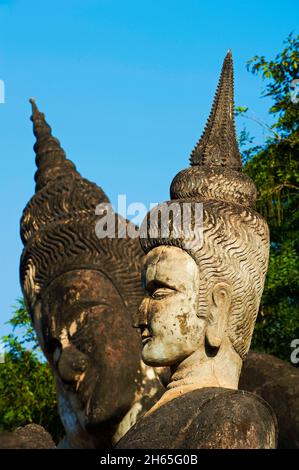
{"type": "Point", "coordinates": [155, 354]}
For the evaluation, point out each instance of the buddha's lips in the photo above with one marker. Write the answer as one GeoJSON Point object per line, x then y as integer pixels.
{"type": "Point", "coordinates": [146, 339]}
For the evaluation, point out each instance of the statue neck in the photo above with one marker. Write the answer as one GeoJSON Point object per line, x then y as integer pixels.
{"type": "Point", "coordinates": [200, 371]}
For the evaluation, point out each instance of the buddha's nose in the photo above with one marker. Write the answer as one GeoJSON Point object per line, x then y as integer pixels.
{"type": "Point", "coordinates": [145, 333]}
{"type": "Point", "coordinates": [72, 363]}
{"type": "Point", "coordinates": [141, 320]}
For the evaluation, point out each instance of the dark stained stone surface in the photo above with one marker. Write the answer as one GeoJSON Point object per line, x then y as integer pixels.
{"type": "Point", "coordinates": [209, 418]}
{"type": "Point", "coordinates": [277, 382]}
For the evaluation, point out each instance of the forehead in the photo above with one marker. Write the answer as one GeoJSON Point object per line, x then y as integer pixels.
{"type": "Point", "coordinates": [79, 287]}
{"type": "Point", "coordinates": [85, 281]}
{"type": "Point", "coordinates": [76, 292]}
{"type": "Point", "coordinates": [171, 265]}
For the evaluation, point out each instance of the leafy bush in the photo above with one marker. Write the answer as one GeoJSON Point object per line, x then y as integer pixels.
{"type": "Point", "coordinates": [27, 390]}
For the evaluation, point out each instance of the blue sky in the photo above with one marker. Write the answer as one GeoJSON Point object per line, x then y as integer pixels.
{"type": "Point", "coordinates": [126, 85]}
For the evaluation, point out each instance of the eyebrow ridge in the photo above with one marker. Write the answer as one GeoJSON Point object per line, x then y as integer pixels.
{"type": "Point", "coordinates": [156, 283]}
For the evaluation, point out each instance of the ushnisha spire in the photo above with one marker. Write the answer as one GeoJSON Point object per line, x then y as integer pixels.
{"type": "Point", "coordinates": [218, 144]}
{"type": "Point", "coordinates": [61, 193]}
{"type": "Point", "coordinates": [215, 173]}
{"type": "Point", "coordinates": [50, 160]}
{"type": "Point", "coordinates": [58, 227]}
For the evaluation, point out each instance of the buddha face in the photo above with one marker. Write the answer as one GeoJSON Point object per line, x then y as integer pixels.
{"type": "Point", "coordinates": [85, 330]}
{"type": "Point", "coordinates": [168, 319]}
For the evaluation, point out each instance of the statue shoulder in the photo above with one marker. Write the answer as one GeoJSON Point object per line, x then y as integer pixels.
{"type": "Point", "coordinates": [206, 418]}
{"type": "Point", "coordinates": [237, 419]}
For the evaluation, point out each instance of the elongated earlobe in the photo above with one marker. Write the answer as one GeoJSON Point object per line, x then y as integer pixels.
{"type": "Point", "coordinates": [219, 312]}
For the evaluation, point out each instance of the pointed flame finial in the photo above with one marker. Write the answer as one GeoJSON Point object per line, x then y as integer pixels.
{"type": "Point", "coordinates": [218, 144]}
{"type": "Point", "coordinates": [50, 160]}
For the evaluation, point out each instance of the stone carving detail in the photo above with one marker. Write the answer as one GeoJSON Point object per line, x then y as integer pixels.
{"type": "Point", "coordinates": [202, 299]}
{"type": "Point", "coordinates": [82, 293]}
{"type": "Point", "coordinates": [218, 146]}
{"type": "Point", "coordinates": [58, 225]}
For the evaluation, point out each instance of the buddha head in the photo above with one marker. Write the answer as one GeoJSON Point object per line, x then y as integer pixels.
{"type": "Point", "coordinates": [203, 285]}
{"type": "Point", "coordinates": [81, 293]}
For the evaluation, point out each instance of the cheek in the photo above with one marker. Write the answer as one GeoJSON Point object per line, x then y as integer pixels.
{"type": "Point", "coordinates": [173, 317]}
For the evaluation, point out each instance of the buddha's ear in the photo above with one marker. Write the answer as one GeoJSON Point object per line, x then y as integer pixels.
{"type": "Point", "coordinates": [219, 312]}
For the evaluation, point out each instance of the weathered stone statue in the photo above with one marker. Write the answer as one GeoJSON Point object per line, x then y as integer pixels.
{"type": "Point", "coordinates": [202, 298]}
{"type": "Point", "coordinates": [81, 293]}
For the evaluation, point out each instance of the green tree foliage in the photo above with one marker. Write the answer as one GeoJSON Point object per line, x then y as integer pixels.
{"type": "Point", "coordinates": [274, 168]}
{"type": "Point", "coordinates": [27, 391]}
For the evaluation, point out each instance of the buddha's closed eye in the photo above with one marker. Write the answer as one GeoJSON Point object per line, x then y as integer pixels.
{"type": "Point", "coordinates": [158, 290]}
{"type": "Point", "coordinates": [82, 309]}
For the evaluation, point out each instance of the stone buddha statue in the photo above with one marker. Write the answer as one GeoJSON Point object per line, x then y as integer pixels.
{"type": "Point", "coordinates": [203, 286]}
{"type": "Point", "coordinates": [82, 292]}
